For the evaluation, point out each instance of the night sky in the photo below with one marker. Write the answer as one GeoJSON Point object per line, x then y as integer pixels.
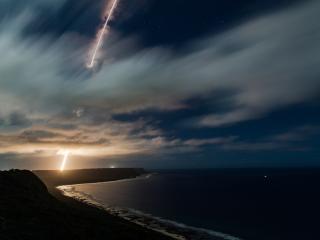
{"type": "Point", "coordinates": [177, 84]}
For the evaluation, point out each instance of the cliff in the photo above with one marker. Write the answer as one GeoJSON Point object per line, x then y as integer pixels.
{"type": "Point", "coordinates": [29, 211]}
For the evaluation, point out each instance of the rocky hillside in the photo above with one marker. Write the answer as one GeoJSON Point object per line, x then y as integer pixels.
{"type": "Point", "coordinates": [28, 211]}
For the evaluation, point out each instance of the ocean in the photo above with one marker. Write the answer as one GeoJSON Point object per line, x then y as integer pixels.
{"type": "Point", "coordinates": [253, 204]}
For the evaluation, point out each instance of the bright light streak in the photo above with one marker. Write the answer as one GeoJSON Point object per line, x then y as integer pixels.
{"type": "Point", "coordinates": [101, 34]}
{"type": "Point", "coordinates": [64, 160]}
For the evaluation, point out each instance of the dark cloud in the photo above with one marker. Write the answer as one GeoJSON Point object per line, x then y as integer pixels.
{"type": "Point", "coordinates": [18, 119]}
{"type": "Point", "coordinates": [15, 120]}
{"type": "Point", "coordinates": [298, 134]}
{"type": "Point", "coordinates": [292, 140]}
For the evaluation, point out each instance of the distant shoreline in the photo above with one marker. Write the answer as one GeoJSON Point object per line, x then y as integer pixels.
{"type": "Point", "coordinates": [144, 175]}
{"type": "Point", "coordinates": [53, 178]}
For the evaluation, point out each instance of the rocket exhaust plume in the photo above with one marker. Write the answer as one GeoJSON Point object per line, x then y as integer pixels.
{"type": "Point", "coordinates": [64, 160]}
{"type": "Point", "coordinates": [101, 34]}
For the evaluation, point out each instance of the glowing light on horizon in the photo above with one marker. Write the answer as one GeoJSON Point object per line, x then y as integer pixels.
{"type": "Point", "coordinates": [64, 160]}
{"type": "Point", "coordinates": [101, 34]}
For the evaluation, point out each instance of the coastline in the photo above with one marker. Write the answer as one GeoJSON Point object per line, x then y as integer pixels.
{"type": "Point", "coordinates": [70, 192]}
{"type": "Point", "coordinates": [172, 229]}
{"type": "Point", "coordinates": [66, 194]}
{"type": "Point", "coordinates": [142, 176]}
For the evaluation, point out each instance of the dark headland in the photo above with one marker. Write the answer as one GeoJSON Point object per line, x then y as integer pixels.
{"type": "Point", "coordinates": [53, 178]}
{"type": "Point", "coordinates": [31, 208]}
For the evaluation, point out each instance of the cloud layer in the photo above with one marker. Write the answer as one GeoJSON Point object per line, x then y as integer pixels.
{"type": "Point", "coordinates": [48, 97]}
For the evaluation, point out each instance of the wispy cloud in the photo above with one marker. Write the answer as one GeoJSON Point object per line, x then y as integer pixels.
{"type": "Point", "coordinates": [46, 92]}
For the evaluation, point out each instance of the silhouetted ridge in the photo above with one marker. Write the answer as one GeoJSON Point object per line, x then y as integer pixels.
{"type": "Point", "coordinates": [28, 211]}
{"type": "Point", "coordinates": [21, 182]}
{"type": "Point", "coordinates": [78, 176]}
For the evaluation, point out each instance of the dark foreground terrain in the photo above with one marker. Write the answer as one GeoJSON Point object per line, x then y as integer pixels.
{"type": "Point", "coordinates": [29, 211]}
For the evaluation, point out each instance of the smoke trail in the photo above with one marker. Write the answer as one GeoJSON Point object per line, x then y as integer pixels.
{"type": "Point", "coordinates": [101, 34]}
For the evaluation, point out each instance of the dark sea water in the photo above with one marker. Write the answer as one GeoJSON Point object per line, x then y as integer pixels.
{"type": "Point", "coordinates": [252, 204]}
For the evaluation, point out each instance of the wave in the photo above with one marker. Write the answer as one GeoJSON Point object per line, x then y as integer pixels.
{"type": "Point", "coordinates": [179, 230]}
{"type": "Point", "coordinates": [170, 228]}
